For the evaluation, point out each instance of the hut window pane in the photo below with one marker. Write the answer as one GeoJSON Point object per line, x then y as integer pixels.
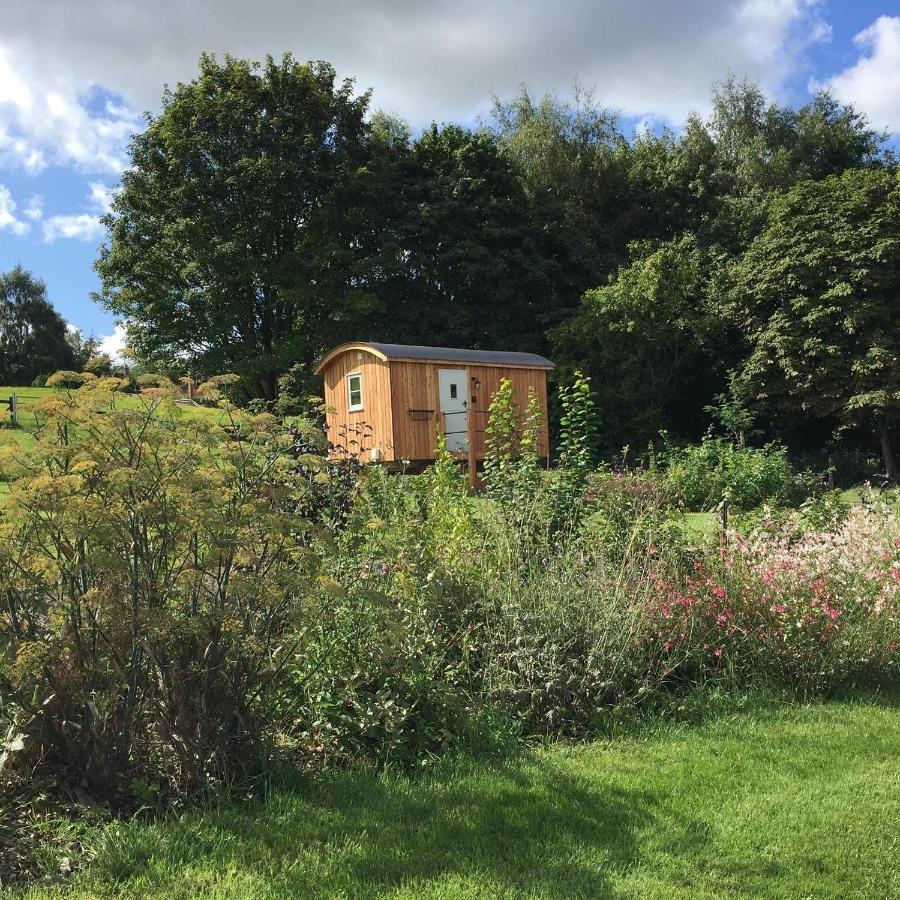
{"type": "Point", "coordinates": [354, 392]}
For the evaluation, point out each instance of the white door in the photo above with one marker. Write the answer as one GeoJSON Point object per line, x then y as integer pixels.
{"type": "Point", "coordinates": [453, 385]}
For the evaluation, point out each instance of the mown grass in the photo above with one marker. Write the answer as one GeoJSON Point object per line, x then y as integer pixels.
{"type": "Point", "coordinates": [791, 801]}
{"type": "Point", "coordinates": [708, 523]}
{"type": "Point", "coordinates": [29, 423]}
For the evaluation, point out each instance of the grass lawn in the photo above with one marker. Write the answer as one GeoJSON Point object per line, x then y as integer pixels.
{"type": "Point", "coordinates": [708, 523]}
{"type": "Point", "coordinates": [703, 523]}
{"type": "Point", "coordinates": [28, 422]}
{"type": "Point", "coordinates": [24, 435]}
{"type": "Point", "coordinates": [791, 802]}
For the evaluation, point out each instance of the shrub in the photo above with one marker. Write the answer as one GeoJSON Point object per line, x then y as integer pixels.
{"type": "Point", "coordinates": [216, 389]}
{"type": "Point", "coordinates": [704, 474]}
{"type": "Point", "coordinates": [538, 505]}
{"type": "Point", "coordinates": [70, 380]}
{"type": "Point", "coordinates": [561, 639]}
{"type": "Point", "coordinates": [101, 364]}
{"type": "Point", "coordinates": [390, 679]}
{"type": "Point", "coordinates": [179, 599]}
{"type": "Point", "coordinates": [152, 577]}
{"type": "Point", "coordinates": [623, 505]}
{"type": "Point", "coordinates": [814, 608]}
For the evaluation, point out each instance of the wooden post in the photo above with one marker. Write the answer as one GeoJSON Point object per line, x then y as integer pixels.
{"type": "Point", "coordinates": [14, 410]}
{"type": "Point", "coordinates": [473, 462]}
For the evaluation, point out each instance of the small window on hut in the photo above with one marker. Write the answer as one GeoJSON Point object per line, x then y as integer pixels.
{"type": "Point", "coordinates": [354, 392]}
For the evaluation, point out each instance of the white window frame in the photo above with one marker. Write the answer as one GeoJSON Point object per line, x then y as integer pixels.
{"type": "Point", "coordinates": [351, 406]}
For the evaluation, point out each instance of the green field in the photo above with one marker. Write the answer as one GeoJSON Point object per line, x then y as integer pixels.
{"type": "Point", "coordinates": [29, 422]}
{"type": "Point", "coordinates": [708, 523]}
{"type": "Point", "coordinates": [780, 802]}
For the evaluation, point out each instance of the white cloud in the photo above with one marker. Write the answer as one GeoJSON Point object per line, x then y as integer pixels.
{"type": "Point", "coordinates": [114, 343]}
{"type": "Point", "coordinates": [46, 118]}
{"type": "Point", "coordinates": [8, 218]}
{"type": "Point", "coordinates": [101, 196]}
{"type": "Point", "coordinates": [82, 226]}
{"type": "Point", "coordinates": [34, 208]}
{"type": "Point", "coordinates": [872, 84]}
{"type": "Point", "coordinates": [439, 60]}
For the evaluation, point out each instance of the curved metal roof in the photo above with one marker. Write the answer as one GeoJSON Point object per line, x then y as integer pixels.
{"type": "Point", "coordinates": [442, 354]}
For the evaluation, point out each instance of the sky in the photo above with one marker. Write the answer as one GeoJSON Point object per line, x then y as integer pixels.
{"type": "Point", "coordinates": [77, 77]}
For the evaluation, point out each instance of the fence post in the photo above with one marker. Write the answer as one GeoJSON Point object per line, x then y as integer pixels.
{"type": "Point", "coordinates": [14, 410]}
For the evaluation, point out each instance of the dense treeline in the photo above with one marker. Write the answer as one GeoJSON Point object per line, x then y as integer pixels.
{"type": "Point", "coordinates": [34, 340]}
{"type": "Point", "coordinates": [267, 216]}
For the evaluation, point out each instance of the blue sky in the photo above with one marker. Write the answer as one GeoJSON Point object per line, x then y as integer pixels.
{"type": "Point", "coordinates": [74, 79]}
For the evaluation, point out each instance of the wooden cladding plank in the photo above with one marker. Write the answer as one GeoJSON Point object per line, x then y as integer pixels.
{"type": "Point", "coordinates": [489, 378]}
{"type": "Point", "coordinates": [415, 388]}
{"type": "Point", "coordinates": [371, 427]}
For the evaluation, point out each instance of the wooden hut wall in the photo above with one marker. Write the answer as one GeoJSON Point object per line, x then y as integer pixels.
{"type": "Point", "coordinates": [489, 378]}
{"type": "Point", "coordinates": [416, 403]}
{"type": "Point", "coordinates": [372, 426]}
{"type": "Point", "coordinates": [416, 408]}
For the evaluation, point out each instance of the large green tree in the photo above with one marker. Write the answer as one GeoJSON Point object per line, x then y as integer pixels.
{"type": "Point", "coordinates": [462, 260]}
{"type": "Point", "coordinates": [818, 298]}
{"type": "Point", "coordinates": [749, 148]}
{"type": "Point", "coordinates": [264, 219]}
{"type": "Point", "coordinates": [33, 336]}
{"type": "Point", "coordinates": [223, 247]}
{"type": "Point", "coordinates": [657, 334]}
{"type": "Point", "coordinates": [652, 341]}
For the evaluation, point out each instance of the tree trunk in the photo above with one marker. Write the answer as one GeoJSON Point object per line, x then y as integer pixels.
{"type": "Point", "coordinates": [887, 452]}
{"type": "Point", "coordinates": [267, 383]}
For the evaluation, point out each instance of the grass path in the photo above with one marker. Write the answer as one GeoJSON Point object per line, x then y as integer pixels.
{"type": "Point", "coordinates": [791, 802]}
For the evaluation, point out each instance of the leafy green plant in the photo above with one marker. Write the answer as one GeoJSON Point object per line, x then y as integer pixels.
{"type": "Point", "coordinates": [503, 438]}
{"type": "Point", "coordinates": [151, 579]}
{"type": "Point", "coordinates": [577, 450]}
{"type": "Point", "coordinates": [578, 426]}
{"type": "Point", "coordinates": [704, 474]}
{"type": "Point", "coordinates": [516, 486]}
{"type": "Point", "coordinates": [388, 675]}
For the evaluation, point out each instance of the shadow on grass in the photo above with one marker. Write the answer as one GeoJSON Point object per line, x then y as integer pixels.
{"type": "Point", "coordinates": [644, 817]}
{"type": "Point", "coordinates": [524, 827]}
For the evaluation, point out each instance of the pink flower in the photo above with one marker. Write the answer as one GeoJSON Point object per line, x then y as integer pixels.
{"type": "Point", "coordinates": [719, 592]}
